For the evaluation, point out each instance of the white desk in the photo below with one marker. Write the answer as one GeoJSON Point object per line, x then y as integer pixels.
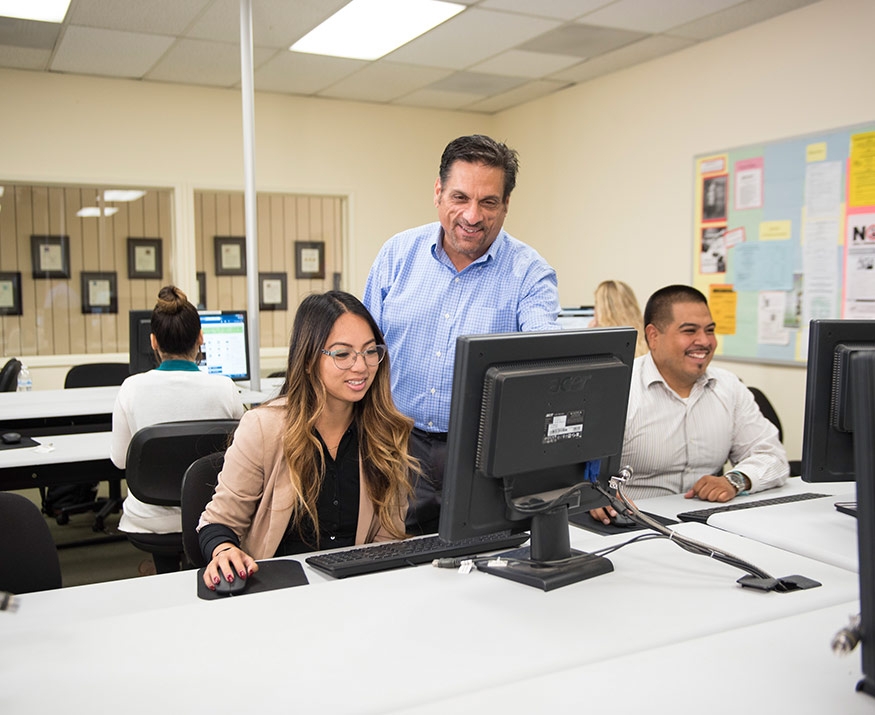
{"type": "Point", "coordinates": [810, 528]}
{"type": "Point", "coordinates": [383, 642]}
{"type": "Point", "coordinates": [785, 666]}
{"type": "Point", "coordinates": [28, 467]}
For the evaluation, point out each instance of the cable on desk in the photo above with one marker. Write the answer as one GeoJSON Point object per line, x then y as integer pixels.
{"type": "Point", "coordinates": [756, 578]}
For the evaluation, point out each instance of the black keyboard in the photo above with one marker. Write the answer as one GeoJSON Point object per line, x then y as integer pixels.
{"type": "Point", "coordinates": [380, 557]}
{"type": "Point", "coordinates": [701, 515]}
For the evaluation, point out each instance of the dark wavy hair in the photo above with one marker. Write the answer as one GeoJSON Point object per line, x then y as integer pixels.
{"type": "Point", "coordinates": [481, 149]}
{"type": "Point", "coordinates": [175, 322]}
{"type": "Point", "coordinates": [383, 431]}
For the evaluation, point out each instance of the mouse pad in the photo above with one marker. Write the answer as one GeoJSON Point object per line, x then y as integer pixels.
{"type": "Point", "coordinates": [585, 521]}
{"type": "Point", "coordinates": [271, 575]}
{"type": "Point", "coordinates": [25, 442]}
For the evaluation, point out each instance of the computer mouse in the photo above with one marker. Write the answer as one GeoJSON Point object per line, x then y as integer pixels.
{"type": "Point", "coordinates": [10, 437]}
{"type": "Point", "coordinates": [622, 521]}
{"type": "Point", "coordinates": [231, 588]}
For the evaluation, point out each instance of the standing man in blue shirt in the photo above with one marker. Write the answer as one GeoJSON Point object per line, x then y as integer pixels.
{"type": "Point", "coordinates": [461, 275]}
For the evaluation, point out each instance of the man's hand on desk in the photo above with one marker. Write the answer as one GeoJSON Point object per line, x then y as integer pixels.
{"type": "Point", "coordinates": [714, 488]}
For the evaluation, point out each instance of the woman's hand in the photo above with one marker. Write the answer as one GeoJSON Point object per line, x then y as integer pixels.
{"type": "Point", "coordinates": [229, 562]}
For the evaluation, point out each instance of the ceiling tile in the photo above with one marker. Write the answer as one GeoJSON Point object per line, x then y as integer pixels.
{"type": "Point", "coordinates": [559, 9]}
{"type": "Point", "coordinates": [517, 96]}
{"type": "Point", "coordinates": [26, 33]}
{"type": "Point", "coordinates": [650, 16]}
{"type": "Point", "coordinates": [202, 62]}
{"type": "Point", "coordinates": [275, 23]}
{"type": "Point", "coordinates": [477, 83]}
{"type": "Point", "coordinates": [157, 17]}
{"type": "Point", "coordinates": [24, 58]}
{"type": "Point", "coordinates": [383, 82]}
{"type": "Point", "coordinates": [435, 99]}
{"type": "Point", "coordinates": [519, 63]}
{"type": "Point", "coordinates": [301, 73]}
{"type": "Point", "coordinates": [736, 17]}
{"type": "Point", "coordinates": [470, 37]}
{"type": "Point", "coordinates": [111, 53]}
{"type": "Point", "coordinates": [581, 40]}
{"type": "Point", "coordinates": [646, 49]}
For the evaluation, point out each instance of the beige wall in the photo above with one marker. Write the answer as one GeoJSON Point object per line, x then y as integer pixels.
{"type": "Point", "coordinates": [605, 188]}
{"type": "Point", "coordinates": [606, 184]}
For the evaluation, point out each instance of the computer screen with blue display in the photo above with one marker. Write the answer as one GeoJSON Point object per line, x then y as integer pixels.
{"type": "Point", "coordinates": [226, 343]}
{"type": "Point", "coordinates": [536, 420]}
{"type": "Point", "coordinates": [225, 350]}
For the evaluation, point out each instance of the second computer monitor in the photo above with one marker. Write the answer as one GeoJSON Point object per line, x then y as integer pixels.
{"type": "Point", "coordinates": [226, 343]}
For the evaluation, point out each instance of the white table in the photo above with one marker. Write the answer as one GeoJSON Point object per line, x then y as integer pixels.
{"type": "Point", "coordinates": [50, 463]}
{"type": "Point", "coordinates": [382, 642]}
{"type": "Point", "coordinates": [811, 528]}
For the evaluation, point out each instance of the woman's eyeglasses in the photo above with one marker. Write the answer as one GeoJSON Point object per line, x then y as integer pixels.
{"type": "Point", "coordinates": [345, 358]}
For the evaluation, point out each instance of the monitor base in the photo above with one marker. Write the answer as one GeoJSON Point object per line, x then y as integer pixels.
{"type": "Point", "coordinates": [547, 578]}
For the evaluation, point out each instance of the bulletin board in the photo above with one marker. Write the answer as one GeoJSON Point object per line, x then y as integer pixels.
{"type": "Point", "coordinates": [784, 232]}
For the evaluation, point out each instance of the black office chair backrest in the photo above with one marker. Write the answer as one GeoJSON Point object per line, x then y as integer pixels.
{"type": "Point", "coordinates": [159, 455]}
{"type": "Point", "coordinates": [97, 374]}
{"type": "Point", "coordinates": [9, 375]}
{"type": "Point", "coordinates": [198, 484]}
{"type": "Point", "coordinates": [767, 409]}
{"type": "Point", "coordinates": [28, 556]}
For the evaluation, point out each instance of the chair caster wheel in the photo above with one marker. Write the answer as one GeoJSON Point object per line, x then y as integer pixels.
{"type": "Point", "coordinates": [62, 519]}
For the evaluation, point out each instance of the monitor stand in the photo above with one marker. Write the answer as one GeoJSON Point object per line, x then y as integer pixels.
{"type": "Point", "coordinates": [537, 565]}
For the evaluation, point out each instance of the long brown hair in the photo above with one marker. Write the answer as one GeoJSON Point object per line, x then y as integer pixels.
{"type": "Point", "coordinates": [383, 431]}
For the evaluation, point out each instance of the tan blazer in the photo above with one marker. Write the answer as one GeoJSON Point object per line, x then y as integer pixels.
{"type": "Point", "coordinates": [254, 496]}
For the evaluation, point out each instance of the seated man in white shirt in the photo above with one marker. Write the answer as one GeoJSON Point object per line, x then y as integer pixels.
{"type": "Point", "coordinates": [685, 420]}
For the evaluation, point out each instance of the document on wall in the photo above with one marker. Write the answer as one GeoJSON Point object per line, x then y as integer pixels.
{"type": "Point", "coordinates": [770, 318]}
{"type": "Point", "coordinates": [860, 267]}
{"type": "Point", "coordinates": [819, 270]}
{"type": "Point", "coordinates": [823, 189]}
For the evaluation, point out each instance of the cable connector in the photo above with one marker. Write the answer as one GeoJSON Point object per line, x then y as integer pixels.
{"type": "Point", "coordinates": [847, 638]}
{"type": "Point", "coordinates": [621, 477]}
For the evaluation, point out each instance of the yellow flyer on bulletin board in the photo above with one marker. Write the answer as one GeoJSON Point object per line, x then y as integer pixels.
{"type": "Point", "coordinates": [723, 302]}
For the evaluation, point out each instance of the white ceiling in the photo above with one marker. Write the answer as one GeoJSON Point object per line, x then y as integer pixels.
{"type": "Point", "coordinates": [494, 55]}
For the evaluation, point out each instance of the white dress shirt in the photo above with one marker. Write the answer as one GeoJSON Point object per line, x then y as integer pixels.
{"type": "Point", "coordinates": [671, 441]}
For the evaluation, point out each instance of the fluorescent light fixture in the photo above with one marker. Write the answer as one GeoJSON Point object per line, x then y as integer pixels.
{"type": "Point", "coordinates": [119, 195]}
{"type": "Point", "coordinates": [95, 211]}
{"type": "Point", "coordinates": [369, 29]}
{"type": "Point", "coordinates": [41, 10]}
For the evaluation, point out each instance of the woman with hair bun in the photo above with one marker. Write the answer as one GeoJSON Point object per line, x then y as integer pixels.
{"type": "Point", "coordinates": [175, 390]}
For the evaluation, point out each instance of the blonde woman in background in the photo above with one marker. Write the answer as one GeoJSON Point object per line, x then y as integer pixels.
{"type": "Point", "coordinates": [615, 304]}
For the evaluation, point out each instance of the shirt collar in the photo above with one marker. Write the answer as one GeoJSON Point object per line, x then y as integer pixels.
{"type": "Point", "coordinates": [652, 375]}
{"type": "Point", "coordinates": [182, 365]}
{"type": "Point", "coordinates": [440, 255]}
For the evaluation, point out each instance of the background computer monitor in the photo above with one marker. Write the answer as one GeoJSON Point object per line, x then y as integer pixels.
{"type": "Point", "coordinates": [226, 343]}
{"type": "Point", "coordinates": [141, 356]}
{"type": "Point", "coordinates": [534, 418]}
{"type": "Point", "coordinates": [576, 318]}
{"type": "Point", "coordinates": [225, 350]}
{"type": "Point", "coordinates": [827, 438]}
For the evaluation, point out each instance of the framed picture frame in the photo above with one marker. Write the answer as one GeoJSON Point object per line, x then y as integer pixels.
{"type": "Point", "coordinates": [99, 292]}
{"type": "Point", "coordinates": [50, 256]}
{"type": "Point", "coordinates": [10, 293]}
{"type": "Point", "coordinates": [273, 291]}
{"type": "Point", "coordinates": [201, 278]}
{"type": "Point", "coordinates": [230, 255]}
{"type": "Point", "coordinates": [309, 259]}
{"type": "Point", "coordinates": [145, 258]}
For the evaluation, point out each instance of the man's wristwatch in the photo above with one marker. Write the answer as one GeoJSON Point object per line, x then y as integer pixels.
{"type": "Point", "coordinates": [736, 479]}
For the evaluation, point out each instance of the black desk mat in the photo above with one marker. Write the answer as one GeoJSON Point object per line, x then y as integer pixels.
{"type": "Point", "coordinates": [270, 576]}
{"type": "Point", "coordinates": [25, 442]}
{"type": "Point", "coordinates": [585, 521]}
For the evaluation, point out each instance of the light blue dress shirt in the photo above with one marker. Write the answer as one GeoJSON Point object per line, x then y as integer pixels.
{"type": "Point", "coordinates": [422, 304]}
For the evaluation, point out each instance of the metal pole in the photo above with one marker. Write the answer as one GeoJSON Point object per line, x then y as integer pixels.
{"type": "Point", "coordinates": [247, 84]}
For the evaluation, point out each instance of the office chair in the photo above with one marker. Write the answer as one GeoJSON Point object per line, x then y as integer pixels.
{"type": "Point", "coordinates": [97, 374]}
{"type": "Point", "coordinates": [158, 457]}
{"type": "Point", "coordinates": [198, 484]}
{"type": "Point", "coordinates": [29, 558]}
{"type": "Point", "coordinates": [771, 415]}
{"type": "Point", "coordinates": [64, 500]}
{"type": "Point", "coordinates": [9, 375]}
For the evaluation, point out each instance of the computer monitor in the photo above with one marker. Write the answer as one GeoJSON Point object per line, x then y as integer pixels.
{"type": "Point", "coordinates": [140, 354]}
{"type": "Point", "coordinates": [225, 350]}
{"type": "Point", "coordinates": [576, 318]}
{"type": "Point", "coordinates": [827, 437]}
{"type": "Point", "coordinates": [226, 343]}
{"type": "Point", "coordinates": [535, 419]}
